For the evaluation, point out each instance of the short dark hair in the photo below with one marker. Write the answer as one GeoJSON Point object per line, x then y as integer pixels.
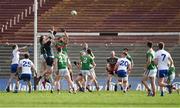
{"type": "Point", "coordinates": [161, 45]}
{"type": "Point", "coordinates": [13, 47]}
{"type": "Point", "coordinates": [26, 55]}
{"type": "Point", "coordinates": [89, 51]}
{"type": "Point", "coordinates": [59, 49]}
{"type": "Point", "coordinates": [126, 49]}
{"type": "Point", "coordinates": [125, 53]}
{"type": "Point", "coordinates": [150, 44]}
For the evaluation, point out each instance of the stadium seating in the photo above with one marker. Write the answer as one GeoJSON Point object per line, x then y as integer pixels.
{"type": "Point", "coordinates": [112, 15]}
{"type": "Point", "coordinates": [13, 8]}
{"type": "Point", "coordinates": [93, 16]}
{"type": "Point", "coordinates": [102, 46]}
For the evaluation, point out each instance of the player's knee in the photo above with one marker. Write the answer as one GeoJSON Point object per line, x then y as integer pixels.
{"type": "Point", "coordinates": [159, 83]}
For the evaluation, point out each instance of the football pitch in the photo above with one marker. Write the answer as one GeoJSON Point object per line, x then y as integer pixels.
{"type": "Point", "coordinates": [94, 99]}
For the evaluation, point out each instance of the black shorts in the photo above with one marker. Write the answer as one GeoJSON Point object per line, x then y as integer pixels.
{"type": "Point", "coordinates": [80, 74]}
{"type": "Point", "coordinates": [110, 70]}
{"type": "Point", "coordinates": [49, 61]}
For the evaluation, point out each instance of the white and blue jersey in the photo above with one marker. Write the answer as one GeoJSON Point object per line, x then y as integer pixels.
{"type": "Point", "coordinates": [26, 65]}
{"type": "Point", "coordinates": [15, 60]}
{"type": "Point", "coordinates": [162, 58]}
{"type": "Point", "coordinates": [122, 64]}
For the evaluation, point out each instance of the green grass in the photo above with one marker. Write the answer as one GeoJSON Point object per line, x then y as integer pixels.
{"type": "Point", "coordinates": [94, 99]}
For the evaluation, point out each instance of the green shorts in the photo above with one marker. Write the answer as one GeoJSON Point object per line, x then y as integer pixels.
{"type": "Point", "coordinates": [171, 70]}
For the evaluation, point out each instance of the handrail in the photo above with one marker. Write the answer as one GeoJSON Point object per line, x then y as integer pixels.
{"type": "Point", "coordinates": [16, 19]}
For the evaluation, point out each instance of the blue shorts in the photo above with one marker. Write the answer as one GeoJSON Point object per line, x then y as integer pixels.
{"type": "Point", "coordinates": [25, 77]}
{"type": "Point", "coordinates": [162, 73]}
{"type": "Point", "coordinates": [121, 73]}
{"type": "Point", "coordinates": [14, 68]}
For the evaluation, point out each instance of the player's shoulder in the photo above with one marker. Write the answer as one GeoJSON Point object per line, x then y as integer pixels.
{"type": "Point", "coordinates": [22, 60]}
{"type": "Point", "coordinates": [116, 57]}
{"type": "Point", "coordinates": [164, 51]}
{"type": "Point", "coordinates": [148, 51]}
{"type": "Point", "coordinates": [89, 56]}
{"type": "Point", "coordinates": [158, 51]}
{"type": "Point", "coordinates": [119, 59]}
{"type": "Point", "coordinates": [108, 58]}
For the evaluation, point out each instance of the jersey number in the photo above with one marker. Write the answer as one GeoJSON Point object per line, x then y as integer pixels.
{"type": "Point", "coordinates": [85, 60]}
{"type": "Point", "coordinates": [61, 59]}
{"type": "Point", "coordinates": [123, 63]}
{"type": "Point", "coordinates": [26, 64]}
{"type": "Point", "coordinates": [164, 56]}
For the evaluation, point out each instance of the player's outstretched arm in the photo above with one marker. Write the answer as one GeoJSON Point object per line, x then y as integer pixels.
{"type": "Point", "coordinates": [66, 38]}
{"type": "Point", "coordinates": [52, 33]}
{"type": "Point", "coordinates": [129, 68]}
{"type": "Point", "coordinates": [22, 48]}
{"type": "Point", "coordinates": [94, 64]}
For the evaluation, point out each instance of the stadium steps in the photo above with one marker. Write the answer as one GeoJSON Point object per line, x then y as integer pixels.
{"type": "Point", "coordinates": [14, 7]}
{"type": "Point", "coordinates": [101, 52]}
{"type": "Point", "coordinates": [96, 16]}
{"type": "Point", "coordinates": [118, 16]}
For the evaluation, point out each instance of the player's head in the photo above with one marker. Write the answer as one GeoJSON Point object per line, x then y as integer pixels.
{"type": "Point", "coordinates": [52, 32]}
{"type": "Point", "coordinates": [60, 38]}
{"type": "Point", "coordinates": [126, 49]}
{"type": "Point", "coordinates": [89, 51]}
{"type": "Point", "coordinates": [124, 54]}
{"type": "Point", "coordinates": [161, 45]}
{"type": "Point", "coordinates": [82, 53]}
{"type": "Point", "coordinates": [150, 44]}
{"type": "Point", "coordinates": [113, 54]}
{"type": "Point", "coordinates": [85, 46]}
{"type": "Point", "coordinates": [14, 46]}
{"type": "Point", "coordinates": [26, 55]}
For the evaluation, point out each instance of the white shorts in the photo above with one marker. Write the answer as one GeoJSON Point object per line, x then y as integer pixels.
{"type": "Point", "coordinates": [151, 73]}
{"type": "Point", "coordinates": [85, 72]}
{"type": "Point", "coordinates": [124, 78]}
{"type": "Point", "coordinates": [171, 77]}
{"type": "Point", "coordinates": [64, 72]}
{"type": "Point", "coordinates": [92, 72]}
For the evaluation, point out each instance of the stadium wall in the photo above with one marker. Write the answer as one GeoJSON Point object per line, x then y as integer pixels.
{"type": "Point", "coordinates": [134, 81]}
